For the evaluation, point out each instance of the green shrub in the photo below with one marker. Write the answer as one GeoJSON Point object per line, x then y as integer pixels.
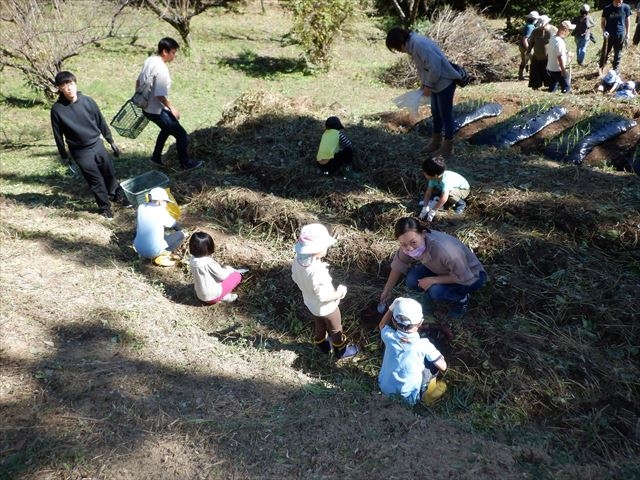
{"type": "Point", "coordinates": [316, 24]}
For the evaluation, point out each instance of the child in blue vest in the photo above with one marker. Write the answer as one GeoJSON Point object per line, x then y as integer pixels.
{"type": "Point", "coordinates": [335, 150]}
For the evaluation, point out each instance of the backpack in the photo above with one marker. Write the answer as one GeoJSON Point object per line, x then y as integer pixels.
{"type": "Point", "coordinates": [465, 77]}
{"type": "Point", "coordinates": [142, 95]}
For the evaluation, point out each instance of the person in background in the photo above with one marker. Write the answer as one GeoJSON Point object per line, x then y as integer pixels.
{"type": "Point", "coordinates": [312, 277]}
{"type": "Point", "coordinates": [559, 59]}
{"type": "Point", "coordinates": [213, 282]}
{"type": "Point", "coordinates": [636, 34]}
{"type": "Point", "coordinates": [335, 150]}
{"type": "Point", "coordinates": [538, 42]}
{"type": "Point", "coordinates": [409, 362]}
{"type": "Point", "coordinates": [150, 240]}
{"type": "Point", "coordinates": [447, 186]}
{"type": "Point", "coordinates": [77, 119]}
{"type": "Point", "coordinates": [438, 81]}
{"type": "Point", "coordinates": [523, 44]}
{"type": "Point", "coordinates": [582, 33]}
{"type": "Point", "coordinates": [160, 109]}
{"type": "Point", "coordinates": [435, 263]}
{"type": "Point", "coordinates": [616, 26]}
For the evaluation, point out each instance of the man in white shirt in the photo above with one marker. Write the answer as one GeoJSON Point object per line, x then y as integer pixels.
{"type": "Point", "coordinates": [559, 59]}
{"type": "Point", "coordinates": [159, 109]}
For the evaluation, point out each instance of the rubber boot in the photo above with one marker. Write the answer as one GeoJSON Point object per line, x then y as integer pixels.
{"type": "Point", "coordinates": [323, 345]}
{"type": "Point", "coordinates": [446, 150]}
{"type": "Point", "coordinates": [436, 142]}
{"type": "Point", "coordinates": [344, 349]}
{"type": "Point", "coordinates": [521, 72]}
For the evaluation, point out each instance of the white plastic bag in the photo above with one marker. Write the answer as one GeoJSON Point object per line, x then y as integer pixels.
{"type": "Point", "coordinates": [412, 101]}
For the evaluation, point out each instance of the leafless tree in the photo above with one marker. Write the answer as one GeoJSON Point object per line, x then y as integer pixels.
{"type": "Point", "coordinates": [178, 13]}
{"type": "Point", "coordinates": [408, 10]}
{"type": "Point", "coordinates": [37, 36]}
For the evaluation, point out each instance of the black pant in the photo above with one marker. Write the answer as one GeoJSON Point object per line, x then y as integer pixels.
{"type": "Point", "coordinates": [340, 159]}
{"type": "Point", "coordinates": [97, 169]}
{"type": "Point", "coordinates": [169, 126]}
{"type": "Point", "coordinates": [615, 43]}
{"type": "Point", "coordinates": [538, 75]}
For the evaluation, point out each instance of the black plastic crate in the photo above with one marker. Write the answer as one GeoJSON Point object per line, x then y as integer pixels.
{"type": "Point", "coordinates": [129, 121]}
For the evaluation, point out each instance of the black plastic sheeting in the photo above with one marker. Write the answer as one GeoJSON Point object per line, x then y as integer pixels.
{"type": "Point", "coordinates": [575, 143]}
{"type": "Point", "coordinates": [463, 114]}
{"type": "Point", "coordinates": [526, 123]}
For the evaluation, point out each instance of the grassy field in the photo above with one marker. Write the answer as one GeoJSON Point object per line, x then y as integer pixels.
{"type": "Point", "coordinates": [112, 369]}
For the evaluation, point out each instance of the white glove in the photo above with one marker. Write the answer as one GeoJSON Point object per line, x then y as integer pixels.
{"type": "Point", "coordinates": [430, 215]}
{"type": "Point", "coordinates": [433, 202]}
{"type": "Point", "coordinates": [424, 212]}
{"type": "Point", "coordinates": [342, 291]}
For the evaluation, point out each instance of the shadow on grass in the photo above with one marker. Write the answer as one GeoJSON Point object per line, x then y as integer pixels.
{"type": "Point", "coordinates": [260, 66]}
{"type": "Point", "coordinates": [18, 102]}
{"type": "Point", "coordinates": [101, 399]}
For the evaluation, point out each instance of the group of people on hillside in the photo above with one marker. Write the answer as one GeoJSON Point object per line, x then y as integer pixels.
{"type": "Point", "coordinates": [544, 52]}
{"type": "Point", "coordinates": [77, 120]}
{"type": "Point", "coordinates": [438, 266]}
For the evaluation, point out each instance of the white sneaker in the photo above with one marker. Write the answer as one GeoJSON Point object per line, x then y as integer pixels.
{"type": "Point", "coordinates": [229, 297]}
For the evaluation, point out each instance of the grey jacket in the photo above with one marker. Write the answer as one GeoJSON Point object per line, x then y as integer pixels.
{"type": "Point", "coordinates": [434, 69]}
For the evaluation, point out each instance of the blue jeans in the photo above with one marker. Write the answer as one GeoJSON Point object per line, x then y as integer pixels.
{"type": "Point", "coordinates": [581, 44]}
{"type": "Point", "coordinates": [169, 126]}
{"type": "Point", "coordinates": [441, 292]}
{"type": "Point", "coordinates": [442, 111]}
{"type": "Point", "coordinates": [557, 78]}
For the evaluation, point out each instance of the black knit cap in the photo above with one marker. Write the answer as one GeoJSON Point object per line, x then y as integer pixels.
{"type": "Point", "coordinates": [334, 123]}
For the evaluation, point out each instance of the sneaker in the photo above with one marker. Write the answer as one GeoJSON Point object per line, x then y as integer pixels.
{"type": "Point", "coordinates": [192, 164]}
{"type": "Point", "coordinates": [349, 352]}
{"type": "Point", "coordinates": [459, 207]}
{"type": "Point", "coordinates": [108, 214]}
{"type": "Point", "coordinates": [460, 308]}
{"type": "Point", "coordinates": [229, 297]}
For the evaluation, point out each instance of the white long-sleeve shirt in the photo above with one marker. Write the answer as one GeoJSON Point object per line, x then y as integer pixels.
{"type": "Point", "coordinates": [316, 286]}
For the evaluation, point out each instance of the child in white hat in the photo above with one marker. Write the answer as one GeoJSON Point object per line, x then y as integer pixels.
{"type": "Point", "coordinates": [406, 365]}
{"type": "Point", "coordinates": [153, 217]}
{"type": "Point", "coordinates": [321, 298]}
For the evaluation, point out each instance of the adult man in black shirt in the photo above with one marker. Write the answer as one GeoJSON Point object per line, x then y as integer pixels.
{"type": "Point", "coordinates": [77, 119]}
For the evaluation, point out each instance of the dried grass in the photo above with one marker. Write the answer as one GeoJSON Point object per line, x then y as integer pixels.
{"type": "Point", "coordinates": [466, 39]}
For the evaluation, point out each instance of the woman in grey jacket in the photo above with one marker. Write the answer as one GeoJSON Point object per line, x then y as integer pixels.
{"type": "Point", "coordinates": [438, 80]}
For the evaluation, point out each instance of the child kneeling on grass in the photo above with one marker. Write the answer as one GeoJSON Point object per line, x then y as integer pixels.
{"type": "Point", "coordinates": [445, 186]}
{"type": "Point", "coordinates": [213, 282]}
{"type": "Point", "coordinates": [313, 278]}
{"type": "Point", "coordinates": [335, 150]}
{"type": "Point", "coordinates": [153, 217]}
{"type": "Point", "coordinates": [409, 362]}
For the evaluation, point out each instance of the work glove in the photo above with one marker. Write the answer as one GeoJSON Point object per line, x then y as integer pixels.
{"type": "Point", "coordinates": [177, 227]}
{"type": "Point", "coordinates": [434, 201]}
{"type": "Point", "coordinates": [342, 290]}
{"type": "Point", "coordinates": [116, 149]}
{"type": "Point", "coordinates": [431, 215]}
{"type": "Point", "coordinates": [424, 212]}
